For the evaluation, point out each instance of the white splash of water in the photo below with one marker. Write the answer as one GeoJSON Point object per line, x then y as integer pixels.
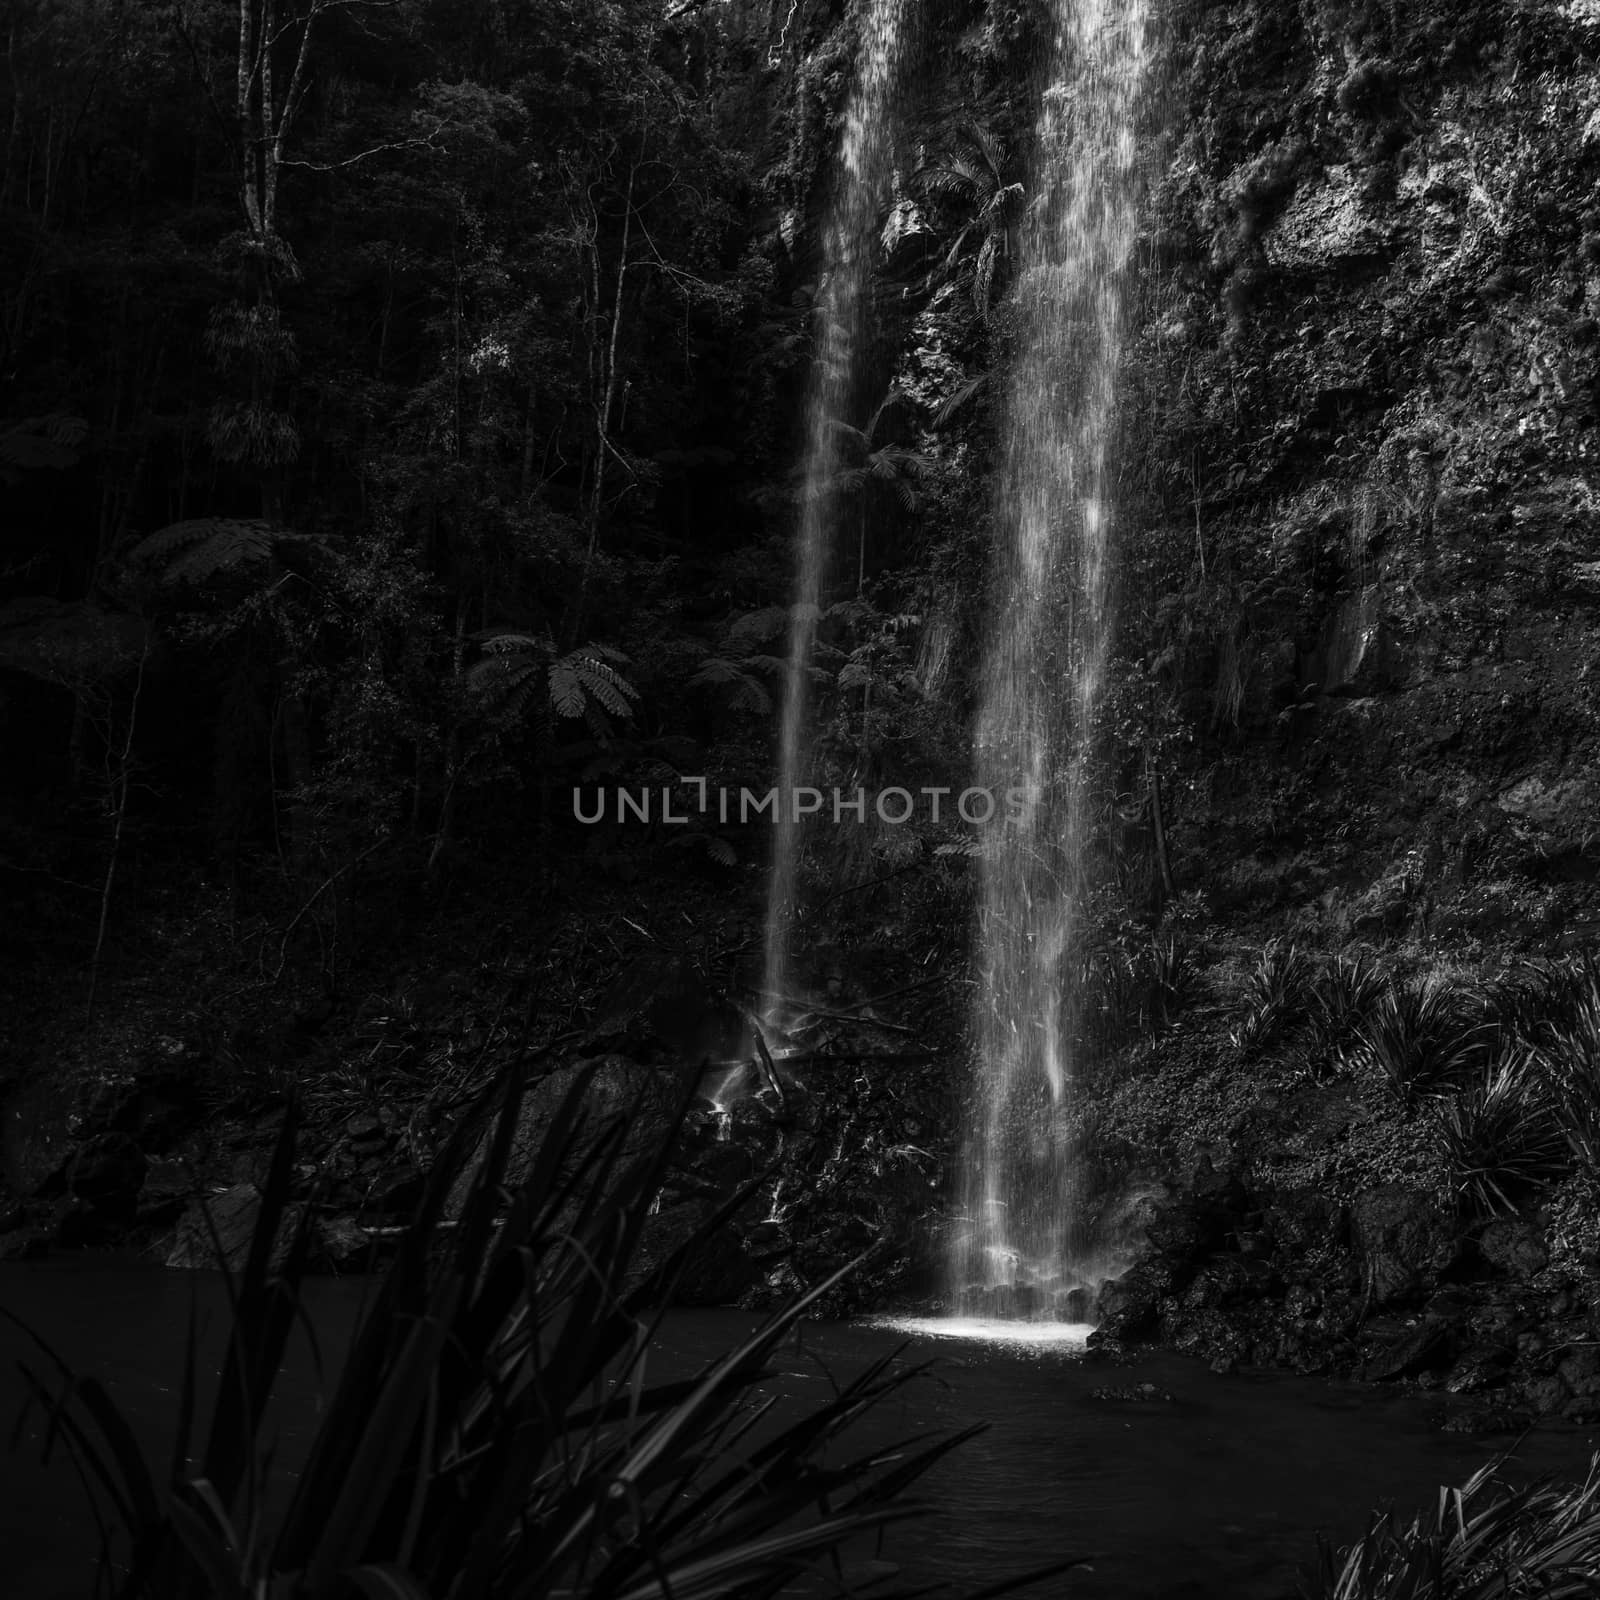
{"type": "Point", "coordinates": [1066, 1336]}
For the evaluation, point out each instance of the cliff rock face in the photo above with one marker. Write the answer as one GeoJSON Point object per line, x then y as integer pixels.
{"type": "Point", "coordinates": [1367, 382]}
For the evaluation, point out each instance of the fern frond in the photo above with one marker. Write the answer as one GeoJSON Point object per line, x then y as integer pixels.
{"type": "Point", "coordinates": [772, 664]}
{"type": "Point", "coordinates": [717, 669]}
{"type": "Point", "coordinates": [192, 551]}
{"type": "Point", "coordinates": [983, 277]}
{"type": "Point", "coordinates": [504, 685]}
{"type": "Point", "coordinates": [751, 696]}
{"type": "Point", "coordinates": [893, 396]}
{"type": "Point", "coordinates": [566, 692]}
{"type": "Point", "coordinates": [603, 684]}
{"type": "Point", "coordinates": [748, 693]}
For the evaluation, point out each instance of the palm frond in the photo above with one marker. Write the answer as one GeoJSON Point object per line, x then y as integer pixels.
{"type": "Point", "coordinates": [949, 407]}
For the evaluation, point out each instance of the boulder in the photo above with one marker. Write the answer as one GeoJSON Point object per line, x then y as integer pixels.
{"type": "Point", "coordinates": [1546, 1395]}
{"type": "Point", "coordinates": [1486, 1418]}
{"type": "Point", "coordinates": [338, 1243]}
{"type": "Point", "coordinates": [1514, 1247]}
{"type": "Point", "coordinates": [1210, 1335]}
{"type": "Point", "coordinates": [1224, 1281]}
{"type": "Point", "coordinates": [1479, 1367]}
{"type": "Point", "coordinates": [1580, 1371]}
{"type": "Point", "coordinates": [1404, 1240]}
{"type": "Point", "coordinates": [1421, 1349]}
{"type": "Point", "coordinates": [1301, 1219]}
{"type": "Point", "coordinates": [216, 1230]}
{"type": "Point", "coordinates": [1129, 1306]}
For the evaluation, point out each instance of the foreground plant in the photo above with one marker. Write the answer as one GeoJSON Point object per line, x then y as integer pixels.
{"type": "Point", "coordinates": [1502, 1137]}
{"type": "Point", "coordinates": [1276, 996]}
{"type": "Point", "coordinates": [493, 1435]}
{"type": "Point", "coordinates": [1425, 1038]}
{"type": "Point", "coordinates": [1560, 1017]}
{"type": "Point", "coordinates": [1344, 994]}
{"type": "Point", "coordinates": [1484, 1541]}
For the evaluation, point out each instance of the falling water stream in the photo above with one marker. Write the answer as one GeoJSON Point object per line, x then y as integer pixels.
{"type": "Point", "coordinates": [1025, 1243]}
{"type": "Point", "coordinates": [848, 239]}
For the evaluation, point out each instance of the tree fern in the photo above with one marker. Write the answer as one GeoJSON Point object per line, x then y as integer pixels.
{"type": "Point", "coordinates": [748, 693]}
{"type": "Point", "coordinates": [205, 547]}
{"type": "Point", "coordinates": [519, 669]}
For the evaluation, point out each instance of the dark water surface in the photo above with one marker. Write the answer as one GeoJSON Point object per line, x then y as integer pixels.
{"type": "Point", "coordinates": [1219, 1492]}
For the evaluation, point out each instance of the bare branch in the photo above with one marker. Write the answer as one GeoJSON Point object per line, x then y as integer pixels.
{"type": "Point", "coordinates": [429, 143]}
{"type": "Point", "coordinates": [297, 81]}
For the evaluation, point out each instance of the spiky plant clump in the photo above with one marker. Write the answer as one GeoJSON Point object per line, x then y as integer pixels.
{"type": "Point", "coordinates": [1425, 1038]}
{"type": "Point", "coordinates": [496, 1433]}
{"type": "Point", "coordinates": [1572, 1000]}
{"type": "Point", "coordinates": [1487, 1540]}
{"type": "Point", "coordinates": [1108, 985]}
{"type": "Point", "coordinates": [1558, 1013]}
{"type": "Point", "coordinates": [1551, 1000]}
{"type": "Point", "coordinates": [1345, 992]}
{"type": "Point", "coordinates": [1170, 976]}
{"type": "Point", "coordinates": [1502, 1136]}
{"type": "Point", "coordinates": [1276, 996]}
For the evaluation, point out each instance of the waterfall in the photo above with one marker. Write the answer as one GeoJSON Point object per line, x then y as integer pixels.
{"type": "Point", "coordinates": [1024, 1244]}
{"type": "Point", "coordinates": [848, 242]}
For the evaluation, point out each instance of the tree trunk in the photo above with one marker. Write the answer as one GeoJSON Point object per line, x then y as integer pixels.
{"type": "Point", "coordinates": [117, 779]}
{"type": "Point", "coordinates": [1158, 823]}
